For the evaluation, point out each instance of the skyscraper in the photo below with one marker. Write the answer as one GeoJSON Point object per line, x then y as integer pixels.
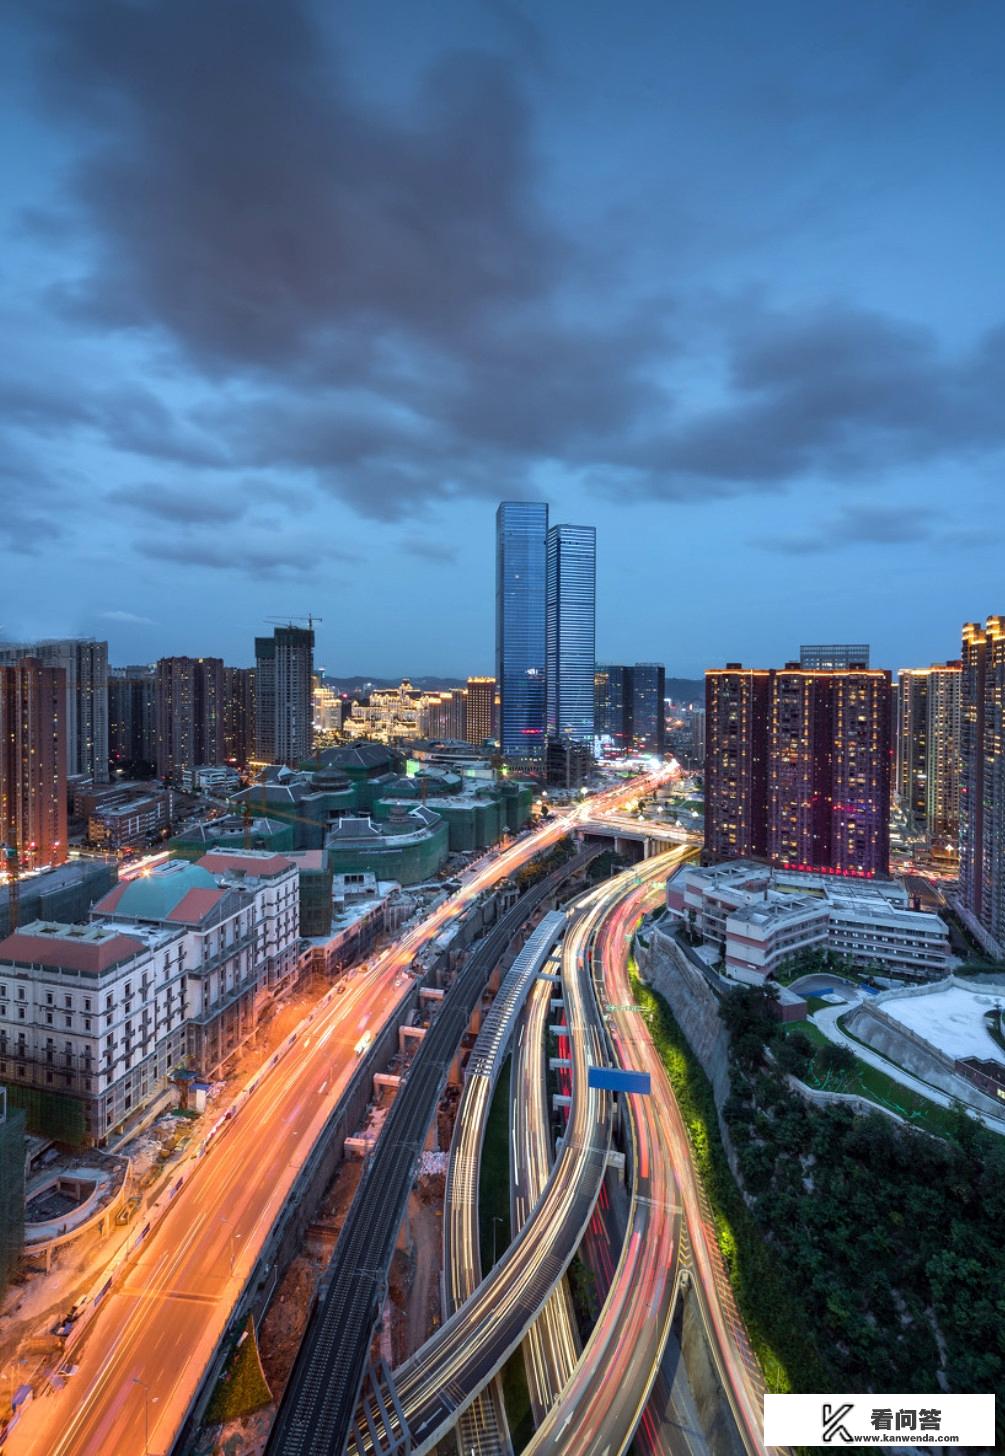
{"type": "Point", "coordinates": [828, 656]}
{"type": "Point", "coordinates": [33, 708]}
{"type": "Point", "coordinates": [797, 767]}
{"type": "Point", "coordinates": [928, 749]}
{"type": "Point", "coordinates": [189, 714]}
{"type": "Point", "coordinates": [239, 715]}
{"type": "Point", "coordinates": [481, 709]}
{"type": "Point", "coordinates": [648, 708]}
{"type": "Point", "coordinates": [736, 762]}
{"type": "Point", "coordinates": [284, 674]}
{"type": "Point", "coordinates": [982, 781]}
{"type": "Point", "coordinates": [570, 632]}
{"type": "Point", "coordinates": [521, 532]}
{"type": "Point", "coordinates": [85, 666]}
{"type": "Point", "coordinates": [612, 704]}
{"type": "Point", "coordinates": [132, 719]}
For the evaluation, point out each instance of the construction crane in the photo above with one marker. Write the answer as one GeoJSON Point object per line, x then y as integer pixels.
{"type": "Point", "coordinates": [12, 864]}
{"type": "Point", "coordinates": [310, 619]}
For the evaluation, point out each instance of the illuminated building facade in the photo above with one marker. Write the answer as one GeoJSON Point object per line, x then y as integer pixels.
{"type": "Point", "coordinates": [736, 762]}
{"type": "Point", "coordinates": [33, 762]}
{"type": "Point", "coordinates": [481, 710]}
{"type": "Point", "coordinates": [84, 662]}
{"type": "Point", "coordinates": [928, 750]}
{"type": "Point", "coordinates": [982, 783]}
{"type": "Point", "coordinates": [648, 709]}
{"type": "Point", "coordinates": [570, 632]}
{"type": "Point", "coordinates": [521, 534]}
{"type": "Point", "coordinates": [190, 714]}
{"type": "Point", "coordinates": [798, 768]}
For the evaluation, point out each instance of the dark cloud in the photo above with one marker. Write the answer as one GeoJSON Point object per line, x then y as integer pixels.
{"type": "Point", "coordinates": [384, 311]}
{"type": "Point", "coordinates": [179, 505]}
{"type": "Point", "coordinates": [429, 550]}
{"type": "Point", "coordinates": [831, 393]}
{"type": "Point", "coordinates": [863, 525]}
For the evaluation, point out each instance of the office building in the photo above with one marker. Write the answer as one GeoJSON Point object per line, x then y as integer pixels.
{"type": "Point", "coordinates": [239, 715]}
{"type": "Point", "coordinates": [132, 720]}
{"type": "Point", "coordinates": [570, 632]}
{"type": "Point", "coordinates": [761, 918]}
{"type": "Point", "coordinates": [284, 676]}
{"type": "Point", "coordinates": [798, 768]}
{"type": "Point", "coordinates": [85, 716]}
{"type": "Point", "coordinates": [481, 710]}
{"type": "Point", "coordinates": [129, 818]}
{"type": "Point", "coordinates": [521, 535]}
{"type": "Point", "coordinates": [648, 708]}
{"type": "Point", "coordinates": [629, 706]}
{"type": "Point", "coordinates": [833, 656]}
{"type": "Point", "coordinates": [33, 706]}
{"type": "Point", "coordinates": [928, 750]}
{"type": "Point", "coordinates": [189, 714]}
{"type": "Point", "coordinates": [982, 782]}
{"type": "Point", "coordinates": [612, 700]}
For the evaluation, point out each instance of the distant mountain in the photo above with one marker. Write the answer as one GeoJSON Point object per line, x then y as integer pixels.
{"type": "Point", "coordinates": [679, 689]}
{"type": "Point", "coordinates": [686, 689]}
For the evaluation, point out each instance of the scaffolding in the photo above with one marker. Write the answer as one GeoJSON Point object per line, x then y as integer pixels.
{"type": "Point", "coordinates": [12, 1152]}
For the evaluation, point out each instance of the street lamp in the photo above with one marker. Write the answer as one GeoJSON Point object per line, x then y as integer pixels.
{"type": "Point", "coordinates": [496, 1218]}
{"type": "Point", "coordinates": [146, 1412]}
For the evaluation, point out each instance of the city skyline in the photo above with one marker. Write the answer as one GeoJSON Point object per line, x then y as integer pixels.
{"type": "Point", "coordinates": [753, 387]}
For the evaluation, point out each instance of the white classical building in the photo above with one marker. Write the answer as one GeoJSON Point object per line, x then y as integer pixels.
{"type": "Point", "coordinates": [759, 917]}
{"type": "Point", "coordinates": [96, 1012]}
{"type": "Point", "coordinates": [172, 971]}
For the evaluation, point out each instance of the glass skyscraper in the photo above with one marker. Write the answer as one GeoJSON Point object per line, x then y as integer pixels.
{"type": "Point", "coordinates": [521, 534]}
{"type": "Point", "coordinates": [570, 661]}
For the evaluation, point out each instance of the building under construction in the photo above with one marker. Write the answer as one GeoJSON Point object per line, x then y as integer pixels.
{"type": "Point", "coordinates": [11, 1188]}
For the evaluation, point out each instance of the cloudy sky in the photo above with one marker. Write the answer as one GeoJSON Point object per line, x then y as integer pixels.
{"type": "Point", "coordinates": [292, 295]}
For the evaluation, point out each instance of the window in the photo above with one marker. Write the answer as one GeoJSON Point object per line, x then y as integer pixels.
{"type": "Point", "coordinates": [87, 1003]}
{"type": "Point", "coordinates": [68, 1002]}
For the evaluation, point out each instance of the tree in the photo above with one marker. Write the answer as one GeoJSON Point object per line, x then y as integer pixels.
{"type": "Point", "coordinates": [832, 1059]}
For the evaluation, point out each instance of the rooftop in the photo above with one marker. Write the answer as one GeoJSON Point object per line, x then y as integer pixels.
{"type": "Point", "coordinates": [160, 893]}
{"type": "Point", "coordinates": [93, 948]}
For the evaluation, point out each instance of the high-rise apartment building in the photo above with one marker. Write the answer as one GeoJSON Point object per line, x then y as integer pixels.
{"type": "Point", "coordinates": [132, 719]}
{"type": "Point", "coordinates": [648, 708]}
{"type": "Point", "coordinates": [284, 675]}
{"type": "Point", "coordinates": [33, 705]}
{"type": "Point", "coordinates": [239, 715]}
{"type": "Point", "coordinates": [521, 534]}
{"type": "Point", "coordinates": [736, 762]}
{"type": "Point", "coordinates": [189, 714]}
{"type": "Point", "coordinates": [982, 782]}
{"type": "Point", "coordinates": [833, 656]}
{"type": "Point", "coordinates": [481, 709]}
{"type": "Point", "coordinates": [570, 632]}
{"type": "Point", "coordinates": [928, 750]}
{"type": "Point", "coordinates": [85, 667]}
{"type": "Point", "coordinates": [798, 767]}
{"type": "Point", "coordinates": [445, 715]}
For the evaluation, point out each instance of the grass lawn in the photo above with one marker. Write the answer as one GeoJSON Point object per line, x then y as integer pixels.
{"type": "Point", "coordinates": [867, 1081]}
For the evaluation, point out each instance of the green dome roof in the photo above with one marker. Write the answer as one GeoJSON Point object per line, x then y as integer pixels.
{"type": "Point", "coordinates": [154, 896]}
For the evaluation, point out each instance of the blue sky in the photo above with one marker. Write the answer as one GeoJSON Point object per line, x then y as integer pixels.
{"type": "Point", "coordinates": [292, 295]}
